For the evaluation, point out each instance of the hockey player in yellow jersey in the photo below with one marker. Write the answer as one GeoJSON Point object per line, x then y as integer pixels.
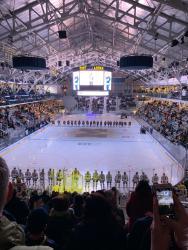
{"type": "Point", "coordinates": [51, 175]}
{"type": "Point", "coordinates": [59, 177]}
{"type": "Point", "coordinates": [95, 180]}
{"type": "Point", "coordinates": [87, 181]}
{"type": "Point", "coordinates": [75, 179]}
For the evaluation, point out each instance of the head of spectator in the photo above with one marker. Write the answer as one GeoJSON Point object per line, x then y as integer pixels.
{"type": "Point", "coordinates": [60, 221]}
{"type": "Point", "coordinates": [37, 222]}
{"type": "Point", "coordinates": [143, 188]}
{"type": "Point", "coordinates": [36, 227]}
{"type": "Point", "coordinates": [97, 208]}
{"type": "Point", "coordinates": [17, 207]}
{"type": "Point", "coordinates": [36, 201]}
{"type": "Point", "coordinates": [60, 204]}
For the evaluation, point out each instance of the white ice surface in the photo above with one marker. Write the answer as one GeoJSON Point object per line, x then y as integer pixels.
{"type": "Point", "coordinates": [104, 149]}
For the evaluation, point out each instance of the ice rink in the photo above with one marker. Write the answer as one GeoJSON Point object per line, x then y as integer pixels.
{"type": "Point", "coordinates": [88, 148]}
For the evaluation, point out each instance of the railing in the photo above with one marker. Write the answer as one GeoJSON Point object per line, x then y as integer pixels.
{"type": "Point", "coordinates": [24, 99]}
{"type": "Point", "coordinates": [18, 135]}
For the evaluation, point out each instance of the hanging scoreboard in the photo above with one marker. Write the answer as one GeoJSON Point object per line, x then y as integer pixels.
{"type": "Point", "coordinates": [96, 78]}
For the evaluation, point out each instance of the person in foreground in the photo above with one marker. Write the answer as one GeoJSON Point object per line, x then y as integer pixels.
{"type": "Point", "coordinates": [167, 233]}
{"type": "Point", "coordinates": [11, 234]}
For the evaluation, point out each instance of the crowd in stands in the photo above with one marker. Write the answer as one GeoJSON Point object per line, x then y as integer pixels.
{"type": "Point", "coordinates": [93, 221]}
{"type": "Point", "coordinates": [15, 95]}
{"type": "Point", "coordinates": [82, 103]}
{"type": "Point", "coordinates": [111, 103]}
{"type": "Point", "coordinates": [27, 117]}
{"type": "Point", "coordinates": [97, 104]}
{"type": "Point", "coordinates": [168, 118]}
{"type": "Point", "coordinates": [126, 102]}
{"type": "Point", "coordinates": [169, 92]}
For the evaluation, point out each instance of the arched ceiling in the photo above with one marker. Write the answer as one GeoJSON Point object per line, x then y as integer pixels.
{"type": "Point", "coordinates": [98, 31]}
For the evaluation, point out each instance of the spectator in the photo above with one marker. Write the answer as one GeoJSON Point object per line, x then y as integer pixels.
{"type": "Point", "coordinates": [61, 221]}
{"type": "Point", "coordinates": [168, 118]}
{"type": "Point", "coordinates": [35, 229]}
{"type": "Point", "coordinates": [11, 234]}
{"type": "Point", "coordinates": [99, 228]}
{"type": "Point", "coordinates": [77, 207]}
{"type": "Point", "coordinates": [17, 208]}
{"type": "Point", "coordinates": [113, 198]}
{"type": "Point", "coordinates": [140, 203]}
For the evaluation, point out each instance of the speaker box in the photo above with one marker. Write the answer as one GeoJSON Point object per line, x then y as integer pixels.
{"type": "Point", "coordinates": [29, 63]}
{"type": "Point", "coordinates": [62, 34]}
{"type": "Point", "coordinates": [67, 63]}
{"type": "Point", "coordinates": [136, 62]}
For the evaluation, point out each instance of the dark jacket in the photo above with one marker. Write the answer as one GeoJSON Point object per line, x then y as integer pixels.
{"type": "Point", "coordinates": [139, 237]}
{"type": "Point", "coordinates": [18, 209]}
{"type": "Point", "coordinates": [59, 227]}
{"type": "Point", "coordinates": [93, 235]}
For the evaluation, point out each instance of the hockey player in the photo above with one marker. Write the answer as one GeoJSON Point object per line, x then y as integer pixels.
{"type": "Point", "coordinates": [102, 179]}
{"type": "Point", "coordinates": [51, 176]}
{"type": "Point", "coordinates": [42, 178]}
{"type": "Point", "coordinates": [95, 179]}
{"type": "Point", "coordinates": [34, 177]}
{"type": "Point", "coordinates": [164, 179]}
{"type": "Point", "coordinates": [124, 179]}
{"type": "Point", "coordinates": [87, 181]}
{"type": "Point", "coordinates": [118, 179]}
{"type": "Point", "coordinates": [21, 175]}
{"type": "Point", "coordinates": [75, 179]}
{"type": "Point", "coordinates": [28, 177]}
{"type": "Point", "coordinates": [135, 179]}
{"type": "Point", "coordinates": [109, 180]}
{"type": "Point", "coordinates": [143, 177]}
{"type": "Point", "coordinates": [14, 174]}
{"type": "Point", "coordinates": [59, 177]}
{"type": "Point", "coordinates": [155, 179]}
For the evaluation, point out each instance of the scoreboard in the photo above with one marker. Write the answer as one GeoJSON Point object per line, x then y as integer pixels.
{"type": "Point", "coordinates": [95, 78]}
{"type": "Point", "coordinates": [88, 67]}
